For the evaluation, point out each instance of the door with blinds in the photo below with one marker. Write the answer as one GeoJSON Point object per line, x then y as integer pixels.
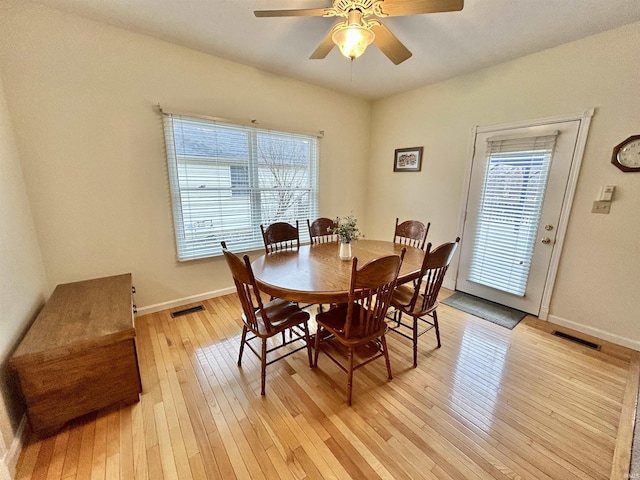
{"type": "Point", "coordinates": [516, 191]}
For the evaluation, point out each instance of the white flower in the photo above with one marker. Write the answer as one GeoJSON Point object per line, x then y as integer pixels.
{"type": "Point", "coordinates": [346, 229]}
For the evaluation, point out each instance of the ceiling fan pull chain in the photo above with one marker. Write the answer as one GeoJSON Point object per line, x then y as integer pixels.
{"type": "Point", "coordinates": [351, 70]}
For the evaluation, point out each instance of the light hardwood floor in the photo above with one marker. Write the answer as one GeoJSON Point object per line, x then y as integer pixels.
{"type": "Point", "coordinates": [491, 403]}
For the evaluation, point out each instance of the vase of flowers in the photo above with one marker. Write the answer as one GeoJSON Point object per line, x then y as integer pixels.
{"type": "Point", "coordinates": [347, 231]}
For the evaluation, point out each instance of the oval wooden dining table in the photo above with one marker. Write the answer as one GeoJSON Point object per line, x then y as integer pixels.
{"type": "Point", "coordinates": [316, 274]}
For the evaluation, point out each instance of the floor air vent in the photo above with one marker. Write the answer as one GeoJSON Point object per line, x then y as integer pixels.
{"type": "Point", "coordinates": [187, 311]}
{"type": "Point", "coordinates": [566, 336]}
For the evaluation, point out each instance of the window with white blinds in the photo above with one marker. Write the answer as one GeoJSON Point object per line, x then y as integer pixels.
{"type": "Point", "coordinates": [227, 179]}
{"type": "Point", "coordinates": [515, 179]}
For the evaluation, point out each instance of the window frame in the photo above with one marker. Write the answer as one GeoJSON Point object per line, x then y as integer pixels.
{"type": "Point", "coordinates": [186, 199]}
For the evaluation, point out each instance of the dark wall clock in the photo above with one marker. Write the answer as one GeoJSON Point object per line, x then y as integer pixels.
{"type": "Point", "coordinates": [626, 155]}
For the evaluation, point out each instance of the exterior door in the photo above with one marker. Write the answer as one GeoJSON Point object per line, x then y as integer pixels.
{"type": "Point", "coordinates": [517, 187]}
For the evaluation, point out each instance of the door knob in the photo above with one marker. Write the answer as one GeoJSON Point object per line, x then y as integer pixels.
{"type": "Point", "coordinates": [546, 240]}
{"type": "Point", "coordinates": [548, 228]}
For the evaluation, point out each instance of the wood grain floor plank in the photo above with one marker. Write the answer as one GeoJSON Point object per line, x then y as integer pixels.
{"type": "Point", "coordinates": [86, 447]}
{"type": "Point", "coordinates": [99, 454]}
{"type": "Point", "coordinates": [491, 403]}
{"type": "Point", "coordinates": [622, 451]}
{"type": "Point", "coordinates": [28, 460]}
{"type": "Point", "coordinates": [112, 470]}
{"type": "Point", "coordinates": [155, 463]}
{"type": "Point", "coordinates": [226, 423]}
{"type": "Point", "coordinates": [365, 440]}
{"type": "Point", "coordinates": [253, 425]}
{"type": "Point", "coordinates": [177, 433]}
{"type": "Point", "coordinates": [200, 401]}
{"type": "Point", "coordinates": [72, 455]}
{"type": "Point", "coordinates": [45, 454]}
{"type": "Point", "coordinates": [125, 444]}
{"type": "Point", "coordinates": [139, 450]}
{"type": "Point", "coordinates": [459, 432]}
{"type": "Point", "coordinates": [176, 380]}
{"type": "Point", "coordinates": [165, 450]}
{"type": "Point", "coordinates": [57, 458]}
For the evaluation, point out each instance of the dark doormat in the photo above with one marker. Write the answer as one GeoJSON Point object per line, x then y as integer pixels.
{"type": "Point", "coordinates": [494, 312]}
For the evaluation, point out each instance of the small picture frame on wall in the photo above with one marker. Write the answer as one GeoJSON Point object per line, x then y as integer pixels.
{"type": "Point", "coordinates": [408, 159]}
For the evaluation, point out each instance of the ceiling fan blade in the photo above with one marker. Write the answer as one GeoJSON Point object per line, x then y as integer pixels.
{"type": "Point", "coordinates": [397, 8]}
{"type": "Point", "coordinates": [390, 45]}
{"type": "Point", "coordinates": [326, 45]}
{"type": "Point", "coordinates": [305, 12]}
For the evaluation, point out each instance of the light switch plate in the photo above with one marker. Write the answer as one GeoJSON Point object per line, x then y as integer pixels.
{"type": "Point", "coordinates": [601, 206]}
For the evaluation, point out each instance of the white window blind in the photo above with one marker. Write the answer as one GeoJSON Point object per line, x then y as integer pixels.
{"type": "Point", "coordinates": [516, 172]}
{"type": "Point", "coordinates": [227, 179]}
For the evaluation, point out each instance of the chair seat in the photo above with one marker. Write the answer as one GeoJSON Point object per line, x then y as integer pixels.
{"type": "Point", "coordinates": [401, 300]}
{"type": "Point", "coordinates": [362, 319]}
{"type": "Point", "coordinates": [282, 314]}
{"type": "Point", "coordinates": [420, 300]}
{"type": "Point", "coordinates": [265, 320]}
{"type": "Point", "coordinates": [335, 319]}
{"type": "Point", "coordinates": [402, 296]}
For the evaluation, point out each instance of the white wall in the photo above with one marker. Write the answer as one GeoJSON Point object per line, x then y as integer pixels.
{"type": "Point", "coordinates": [597, 285]}
{"type": "Point", "coordinates": [22, 281]}
{"type": "Point", "coordinates": [81, 95]}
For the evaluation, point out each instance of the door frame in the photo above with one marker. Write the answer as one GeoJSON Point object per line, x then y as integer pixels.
{"type": "Point", "coordinates": [585, 121]}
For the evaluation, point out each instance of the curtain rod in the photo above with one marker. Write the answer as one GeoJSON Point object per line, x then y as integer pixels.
{"type": "Point", "coordinates": [253, 123]}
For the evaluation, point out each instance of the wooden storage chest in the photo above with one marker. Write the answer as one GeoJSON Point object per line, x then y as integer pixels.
{"type": "Point", "coordinates": [80, 353]}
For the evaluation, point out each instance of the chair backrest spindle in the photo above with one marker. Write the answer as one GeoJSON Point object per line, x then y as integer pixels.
{"type": "Point", "coordinates": [411, 232]}
{"type": "Point", "coordinates": [370, 294]}
{"type": "Point", "coordinates": [280, 236]}
{"type": "Point", "coordinates": [247, 289]}
{"type": "Point", "coordinates": [321, 230]}
{"type": "Point", "coordinates": [434, 267]}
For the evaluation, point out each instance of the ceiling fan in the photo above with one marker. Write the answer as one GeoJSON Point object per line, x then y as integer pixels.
{"type": "Point", "coordinates": [354, 34]}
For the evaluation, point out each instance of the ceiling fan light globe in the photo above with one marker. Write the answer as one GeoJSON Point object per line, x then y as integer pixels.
{"type": "Point", "coordinates": [353, 40]}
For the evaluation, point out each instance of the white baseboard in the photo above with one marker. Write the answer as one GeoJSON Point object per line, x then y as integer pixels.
{"type": "Point", "coordinates": [544, 313]}
{"type": "Point", "coordinates": [184, 301]}
{"type": "Point", "coordinates": [10, 460]}
{"type": "Point", "coordinates": [596, 332]}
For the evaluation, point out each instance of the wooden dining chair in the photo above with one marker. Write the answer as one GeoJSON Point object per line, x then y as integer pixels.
{"type": "Point", "coordinates": [412, 233]}
{"type": "Point", "coordinates": [280, 236]}
{"type": "Point", "coordinates": [420, 299]}
{"type": "Point", "coordinates": [321, 230]}
{"type": "Point", "coordinates": [361, 320]}
{"type": "Point", "coordinates": [265, 320]}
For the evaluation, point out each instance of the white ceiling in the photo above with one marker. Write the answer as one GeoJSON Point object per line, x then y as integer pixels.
{"type": "Point", "coordinates": [444, 45]}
